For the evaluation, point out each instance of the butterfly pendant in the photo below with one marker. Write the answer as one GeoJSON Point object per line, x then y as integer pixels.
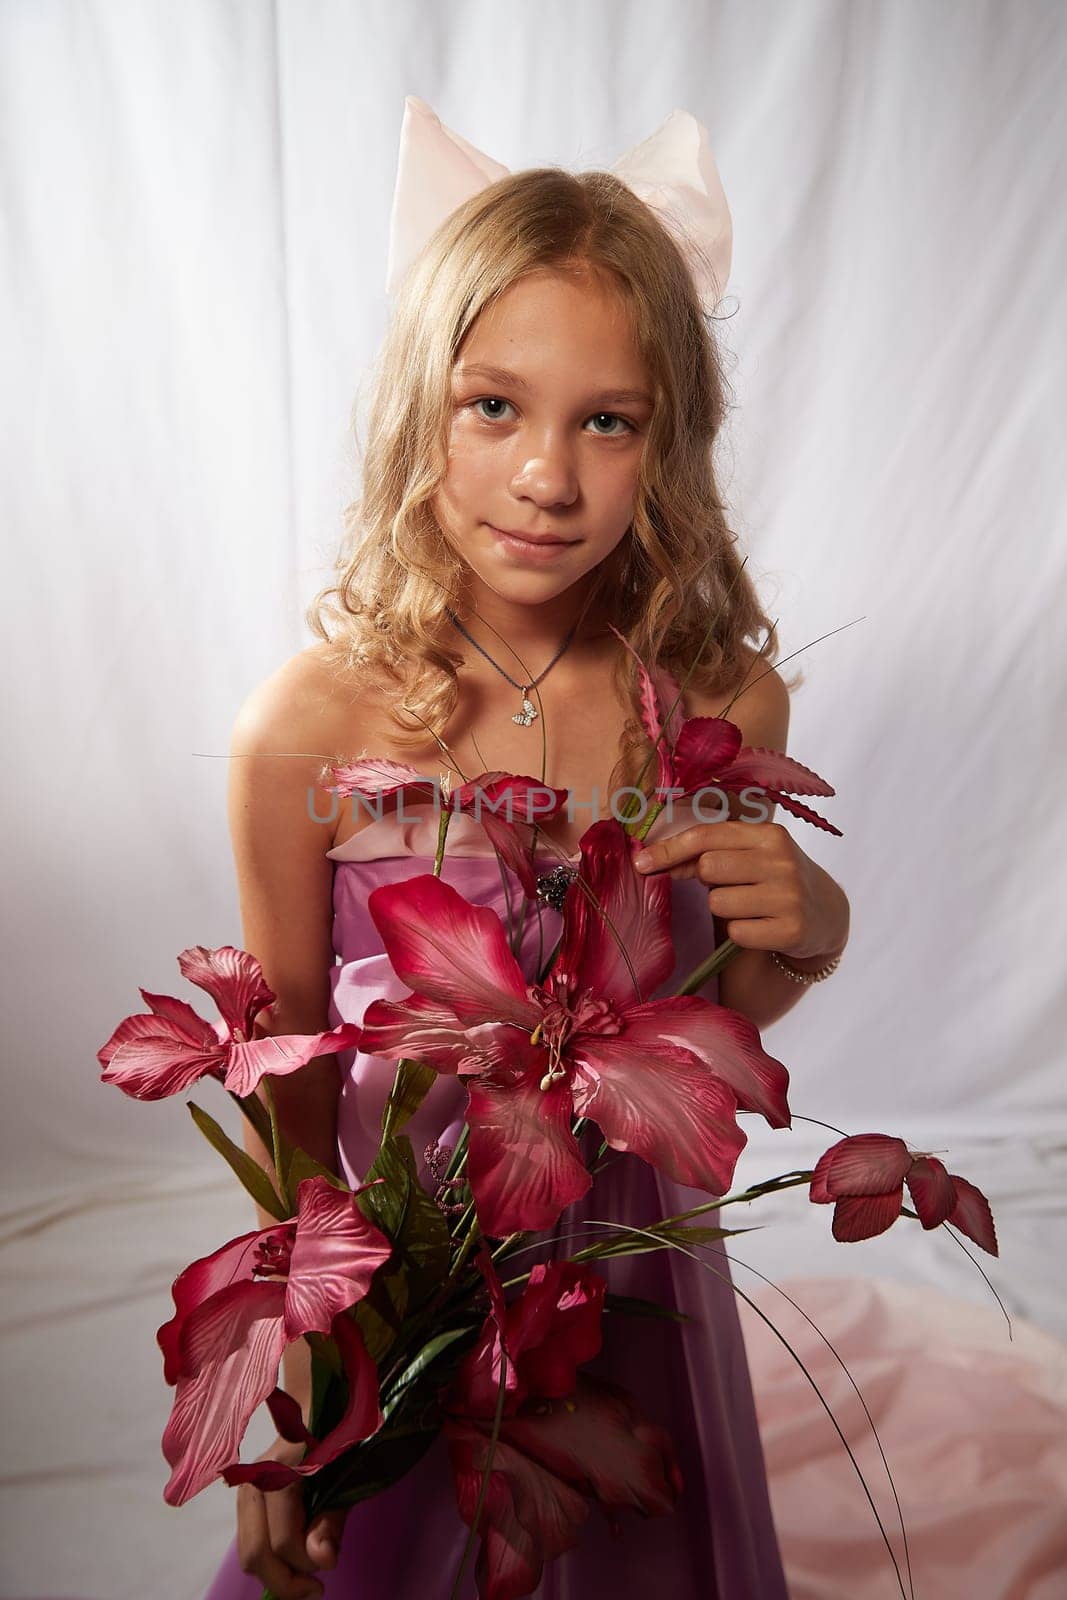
{"type": "Point", "coordinates": [527, 714]}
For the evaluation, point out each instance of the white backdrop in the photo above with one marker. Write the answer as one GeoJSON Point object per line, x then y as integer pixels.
{"type": "Point", "coordinates": [196, 205]}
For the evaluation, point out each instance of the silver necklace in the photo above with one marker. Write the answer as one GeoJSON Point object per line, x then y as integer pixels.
{"type": "Point", "coordinates": [529, 710]}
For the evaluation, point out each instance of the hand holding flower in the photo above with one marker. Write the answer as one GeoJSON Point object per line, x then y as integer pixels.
{"type": "Point", "coordinates": [769, 893]}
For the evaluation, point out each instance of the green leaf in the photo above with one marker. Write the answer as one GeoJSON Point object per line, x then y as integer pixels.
{"type": "Point", "coordinates": [634, 1306]}
{"type": "Point", "coordinates": [408, 1217]}
{"type": "Point", "coordinates": [426, 1356]}
{"type": "Point", "coordinates": [631, 1242]}
{"type": "Point", "coordinates": [248, 1170]}
{"type": "Point", "coordinates": [328, 1385]}
{"type": "Point", "coordinates": [421, 1242]}
{"type": "Point", "coordinates": [371, 1467]}
{"type": "Point", "coordinates": [411, 1085]}
{"type": "Point", "coordinates": [380, 1314]}
{"type": "Point", "coordinates": [302, 1166]}
{"type": "Point", "coordinates": [252, 1107]}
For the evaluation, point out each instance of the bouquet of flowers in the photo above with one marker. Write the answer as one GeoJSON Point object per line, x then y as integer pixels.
{"type": "Point", "coordinates": [420, 1311]}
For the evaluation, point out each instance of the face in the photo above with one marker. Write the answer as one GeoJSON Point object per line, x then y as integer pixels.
{"type": "Point", "coordinates": [551, 406]}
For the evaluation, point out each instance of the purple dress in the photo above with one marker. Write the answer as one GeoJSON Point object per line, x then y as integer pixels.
{"type": "Point", "coordinates": [692, 1378]}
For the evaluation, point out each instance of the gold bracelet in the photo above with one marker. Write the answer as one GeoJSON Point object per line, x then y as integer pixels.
{"type": "Point", "coordinates": [805, 977]}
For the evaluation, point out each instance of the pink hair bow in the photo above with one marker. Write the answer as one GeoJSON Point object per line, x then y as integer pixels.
{"type": "Point", "coordinates": [673, 171]}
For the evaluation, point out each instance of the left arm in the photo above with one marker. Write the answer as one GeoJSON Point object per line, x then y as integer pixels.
{"type": "Point", "coordinates": [766, 893]}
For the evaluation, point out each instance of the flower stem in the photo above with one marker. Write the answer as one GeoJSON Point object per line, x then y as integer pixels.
{"type": "Point", "coordinates": [459, 1154]}
{"type": "Point", "coordinates": [442, 831]}
{"type": "Point", "coordinates": [641, 830]}
{"type": "Point", "coordinates": [468, 1242]}
{"type": "Point", "coordinates": [709, 967]}
{"type": "Point", "coordinates": [279, 1150]}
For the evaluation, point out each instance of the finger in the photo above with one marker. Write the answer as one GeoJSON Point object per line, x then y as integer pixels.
{"type": "Point", "coordinates": [689, 842]}
{"type": "Point", "coordinates": [324, 1538]}
{"type": "Point", "coordinates": [728, 866]}
{"type": "Point", "coordinates": [287, 1525]}
{"type": "Point", "coordinates": [750, 900]}
{"type": "Point", "coordinates": [254, 1553]}
{"type": "Point", "coordinates": [752, 933]}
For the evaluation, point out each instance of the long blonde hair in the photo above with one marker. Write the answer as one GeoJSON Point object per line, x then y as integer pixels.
{"type": "Point", "coordinates": [677, 566]}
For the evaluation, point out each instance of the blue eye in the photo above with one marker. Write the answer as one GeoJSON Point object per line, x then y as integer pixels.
{"type": "Point", "coordinates": [490, 400]}
{"type": "Point", "coordinates": [611, 416]}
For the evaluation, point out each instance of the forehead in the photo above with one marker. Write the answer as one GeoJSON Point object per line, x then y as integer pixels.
{"type": "Point", "coordinates": [551, 326]}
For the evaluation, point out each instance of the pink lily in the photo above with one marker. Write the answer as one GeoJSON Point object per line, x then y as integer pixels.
{"type": "Point", "coordinates": [524, 801]}
{"type": "Point", "coordinates": [662, 1078]}
{"type": "Point", "coordinates": [235, 1312]}
{"type": "Point", "coordinates": [566, 1442]}
{"type": "Point", "coordinates": [150, 1056]}
{"type": "Point", "coordinates": [706, 752]}
{"type": "Point", "coordinates": [864, 1175]}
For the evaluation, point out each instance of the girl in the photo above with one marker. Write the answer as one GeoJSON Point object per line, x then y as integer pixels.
{"type": "Point", "coordinates": [539, 472]}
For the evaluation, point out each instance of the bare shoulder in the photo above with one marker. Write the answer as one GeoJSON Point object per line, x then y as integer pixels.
{"type": "Point", "coordinates": [303, 704]}
{"type": "Point", "coordinates": [284, 733]}
{"type": "Point", "coordinates": [761, 709]}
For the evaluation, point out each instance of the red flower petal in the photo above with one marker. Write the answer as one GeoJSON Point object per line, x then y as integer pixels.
{"type": "Point", "coordinates": [523, 1162]}
{"type": "Point", "coordinates": [705, 746]}
{"type": "Point", "coordinates": [335, 1255]}
{"type": "Point", "coordinates": [421, 1029]}
{"type": "Point", "coordinates": [362, 1417]}
{"type": "Point", "coordinates": [867, 1163]}
{"type": "Point", "coordinates": [234, 980]}
{"type": "Point", "coordinates": [231, 1346]}
{"type": "Point", "coordinates": [727, 1041]}
{"type": "Point", "coordinates": [379, 779]}
{"type": "Point", "coordinates": [288, 1419]}
{"type": "Point", "coordinates": [669, 702]}
{"type": "Point", "coordinates": [506, 805]}
{"type": "Point", "coordinates": [186, 1022]}
{"type": "Point", "coordinates": [817, 1189]}
{"type": "Point", "coordinates": [551, 1460]}
{"type": "Point", "coordinates": [280, 1054]}
{"type": "Point", "coordinates": [199, 1281]}
{"type": "Point", "coordinates": [442, 946]}
{"type": "Point", "coordinates": [149, 1058]}
{"type": "Point", "coordinates": [548, 1332]}
{"type": "Point", "coordinates": [555, 1326]}
{"type": "Point", "coordinates": [972, 1216]}
{"type": "Point", "coordinates": [862, 1216]}
{"type": "Point", "coordinates": [771, 769]}
{"type": "Point", "coordinates": [510, 798]}
{"type": "Point", "coordinates": [529, 1517]}
{"type": "Point", "coordinates": [663, 1103]}
{"type": "Point", "coordinates": [598, 1441]}
{"type": "Point", "coordinates": [805, 812]}
{"type": "Point", "coordinates": [931, 1190]}
{"type": "Point", "coordinates": [623, 913]}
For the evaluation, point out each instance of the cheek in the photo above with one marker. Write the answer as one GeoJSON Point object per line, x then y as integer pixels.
{"type": "Point", "coordinates": [470, 470]}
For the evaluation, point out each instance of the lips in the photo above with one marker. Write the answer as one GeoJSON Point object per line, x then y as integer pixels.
{"type": "Point", "coordinates": [550, 539]}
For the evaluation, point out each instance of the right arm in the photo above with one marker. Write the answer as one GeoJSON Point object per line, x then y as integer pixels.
{"type": "Point", "coordinates": [284, 882]}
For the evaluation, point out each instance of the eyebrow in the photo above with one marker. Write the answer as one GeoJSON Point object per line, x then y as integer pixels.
{"type": "Point", "coordinates": [512, 380]}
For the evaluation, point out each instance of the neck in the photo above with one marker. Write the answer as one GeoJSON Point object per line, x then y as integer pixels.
{"type": "Point", "coordinates": [531, 633]}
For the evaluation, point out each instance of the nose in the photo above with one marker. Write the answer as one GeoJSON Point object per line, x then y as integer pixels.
{"type": "Point", "coordinates": [547, 480]}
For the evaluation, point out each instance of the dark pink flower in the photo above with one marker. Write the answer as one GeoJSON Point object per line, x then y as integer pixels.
{"type": "Point", "coordinates": [567, 1441]}
{"type": "Point", "coordinates": [150, 1056]}
{"type": "Point", "coordinates": [662, 1078]}
{"type": "Point", "coordinates": [235, 1312]}
{"type": "Point", "coordinates": [706, 752]}
{"type": "Point", "coordinates": [864, 1175]}
{"type": "Point", "coordinates": [505, 804]}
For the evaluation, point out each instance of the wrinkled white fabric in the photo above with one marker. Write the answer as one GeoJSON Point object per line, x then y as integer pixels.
{"type": "Point", "coordinates": [974, 1429]}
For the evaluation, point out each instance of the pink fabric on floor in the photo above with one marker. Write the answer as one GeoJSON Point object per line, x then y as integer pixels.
{"type": "Point", "coordinates": [974, 1427]}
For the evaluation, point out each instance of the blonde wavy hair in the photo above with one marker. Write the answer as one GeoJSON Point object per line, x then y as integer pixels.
{"type": "Point", "coordinates": [675, 569]}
